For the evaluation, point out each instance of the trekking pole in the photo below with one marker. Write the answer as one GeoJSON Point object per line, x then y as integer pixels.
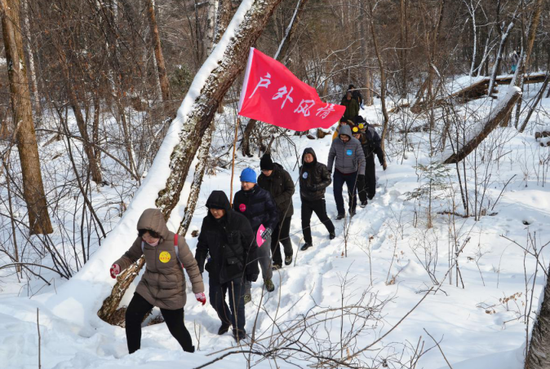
{"type": "Point", "coordinates": [233, 161]}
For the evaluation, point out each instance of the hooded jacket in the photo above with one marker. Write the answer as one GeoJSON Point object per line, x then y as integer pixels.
{"type": "Point", "coordinates": [163, 283]}
{"type": "Point", "coordinates": [370, 141]}
{"type": "Point", "coordinates": [281, 187]}
{"type": "Point", "coordinates": [229, 241]}
{"type": "Point", "coordinates": [352, 108]}
{"type": "Point", "coordinates": [349, 156]}
{"type": "Point", "coordinates": [257, 206]}
{"type": "Point", "coordinates": [314, 178]}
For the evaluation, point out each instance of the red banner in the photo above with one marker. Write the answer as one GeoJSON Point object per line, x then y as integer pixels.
{"type": "Point", "coordinates": [272, 94]}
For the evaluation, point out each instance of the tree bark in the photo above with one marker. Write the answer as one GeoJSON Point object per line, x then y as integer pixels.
{"type": "Point", "coordinates": [538, 354]}
{"type": "Point", "coordinates": [161, 67]}
{"type": "Point", "coordinates": [33, 188]}
{"type": "Point", "coordinates": [492, 122]}
{"type": "Point", "coordinates": [32, 69]}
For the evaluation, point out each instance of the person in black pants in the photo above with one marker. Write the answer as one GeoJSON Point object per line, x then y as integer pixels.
{"type": "Point", "coordinates": [163, 283]}
{"type": "Point", "coordinates": [371, 143]}
{"type": "Point", "coordinates": [314, 179]}
{"type": "Point", "coordinates": [228, 238]}
{"type": "Point", "coordinates": [275, 180]}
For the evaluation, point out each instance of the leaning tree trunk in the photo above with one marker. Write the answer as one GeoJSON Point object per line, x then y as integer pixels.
{"type": "Point", "coordinates": [33, 188]}
{"type": "Point", "coordinates": [197, 121]}
{"type": "Point", "coordinates": [538, 355]}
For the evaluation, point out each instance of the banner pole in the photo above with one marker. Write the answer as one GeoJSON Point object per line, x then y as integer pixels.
{"type": "Point", "coordinates": [233, 161]}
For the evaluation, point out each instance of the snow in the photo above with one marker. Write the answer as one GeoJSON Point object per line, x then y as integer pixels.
{"type": "Point", "coordinates": [383, 256]}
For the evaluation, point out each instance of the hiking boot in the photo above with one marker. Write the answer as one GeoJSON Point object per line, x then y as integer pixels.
{"type": "Point", "coordinates": [306, 246]}
{"type": "Point", "coordinates": [247, 298]}
{"type": "Point", "coordinates": [331, 235]}
{"type": "Point", "coordinates": [239, 335]}
{"type": "Point", "coordinates": [276, 267]}
{"type": "Point", "coordinates": [224, 328]}
{"type": "Point", "coordinates": [340, 216]}
{"type": "Point", "coordinates": [269, 286]}
{"type": "Point", "coordinates": [363, 204]}
{"type": "Point", "coordinates": [288, 259]}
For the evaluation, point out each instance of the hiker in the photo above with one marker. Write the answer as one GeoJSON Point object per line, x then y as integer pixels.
{"type": "Point", "coordinates": [370, 142]}
{"type": "Point", "coordinates": [163, 283]}
{"type": "Point", "coordinates": [356, 94]}
{"type": "Point", "coordinates": [352, 107]}
{"type": "Point", "coordinates": [279, 184]}
{"type": "Point", "coordinates": [514, 60]}
{"type": "Point", "coordinates": [257, 205]}
{"type": "Point", "coordinates": [314, 179]}
{"type": "Point", "coordinates": [227, 237]}
{"type": "Point", "coordinates": [347, 158]}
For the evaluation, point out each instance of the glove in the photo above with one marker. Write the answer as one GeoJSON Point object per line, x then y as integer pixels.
{"type": "Point", "coordinates": [252, 277]}
{"type": "Point", "coordinates": [361, 178]}
{"type": "Point", "coordinates": [115, 270]}
{"type": "Point", "coordinates": [267, 233]}
{"type": "Point", "coordinates": [384, 165]}
{"type": "Point", "coordinates": [201, 297]}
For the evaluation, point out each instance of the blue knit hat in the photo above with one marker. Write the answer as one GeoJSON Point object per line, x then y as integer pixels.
{"type": "Point", "coordinates": [248, 175]}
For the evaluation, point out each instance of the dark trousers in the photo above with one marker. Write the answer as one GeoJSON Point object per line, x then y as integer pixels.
{"type": "Point", "coordinates": [319, 207]}
{"type": "Point", "coordinates": [349, 180]}
{"type": "Point", "coordinates": [173, 318]}
{"type": "Point", "coordinates": [368, 188]}
{"type": "Point", "coordinates": [281, 234]}
{"type": "Point", "coordinates": [234, 313]}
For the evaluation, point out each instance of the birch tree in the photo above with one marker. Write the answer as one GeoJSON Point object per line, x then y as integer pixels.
{"type": "Point", "coordinates": [33, 188]}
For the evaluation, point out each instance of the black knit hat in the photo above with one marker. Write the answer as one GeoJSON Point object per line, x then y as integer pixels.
{"type": "Point", "coordinates": [266, 163]}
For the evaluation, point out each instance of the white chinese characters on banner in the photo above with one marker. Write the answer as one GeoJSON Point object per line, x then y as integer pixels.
{"type": "Point", "coordinates": [282, 92]}
{"type": "Point", "coordinates": [264, 82]}
{"type": "Point", "coordinates": [304, 107]}
{"type": "Point", "coordinates": [325, 111]}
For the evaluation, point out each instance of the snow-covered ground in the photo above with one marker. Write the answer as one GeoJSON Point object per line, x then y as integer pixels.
{"type": "Point", "coordinates": [384, 265]}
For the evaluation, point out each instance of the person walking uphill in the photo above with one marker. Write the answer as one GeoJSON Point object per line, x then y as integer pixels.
{"type": "Point", "coordinates": [352, 107]}
{"type": "Point", "coordinates": [279, 184]}
{"type": "Point", "coordinates": [163, 283]}
{"type": "Point", "coordinates": [346, 155]}
{"type": "Point", "coordinates": [257, 205]}
{"type": "Point", "coordinates": [314, 179]}
{"type": "Point", "coordinates": [370, 142]}
{"type": "Point", "coordinates": [228, 238]}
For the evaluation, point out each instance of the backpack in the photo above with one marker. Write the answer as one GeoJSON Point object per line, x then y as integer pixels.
{"type": "Point", "coordinates": [176, 249]}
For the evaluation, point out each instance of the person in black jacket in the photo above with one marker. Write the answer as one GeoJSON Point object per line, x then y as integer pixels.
{"type": "Point", "coordinates": [257, 205]}
{"type": "Point", "coordinates": [370, 141]}
{"type": "Point", "coordinates": [279, 184]}
{"type": "Point", "coordinates": [314, 179]}
{"type": "Point", "coordinates": [227, 236]}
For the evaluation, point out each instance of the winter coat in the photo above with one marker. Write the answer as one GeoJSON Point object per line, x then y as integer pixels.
{"type": "Point", "coordinates": [349, 156]}
{"type": "Point", "coordinates": [163, 283]}
{"type": "Point", "coordinates": [229, 241]}
{"type": "Point", "coordinates": [314, 178]}
{"type": "Point", "coordinates": [370, 142]}
{"type": "Point", "coordinates": [352, 108]}
{"type": "Point", "coordinates": [281, 187]}
{"type": "Point", "coordinates": [355, 94]}
{"type": "Point", "coordinates": [257, 206]}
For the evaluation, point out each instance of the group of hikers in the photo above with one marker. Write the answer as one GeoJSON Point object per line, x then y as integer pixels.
{"type": "Point", "coordinates": [238, 239]}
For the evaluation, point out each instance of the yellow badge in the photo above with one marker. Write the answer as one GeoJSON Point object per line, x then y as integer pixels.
{"type": "Point", "coordinates": [164, 257]}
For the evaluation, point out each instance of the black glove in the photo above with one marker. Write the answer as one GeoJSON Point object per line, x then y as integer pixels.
{"type": "Point", "coordinates": [361, 178]}
{"type": "Point", "coordinates": [267, 233]}
{"type": "Point", "coordinates": [252, 277]}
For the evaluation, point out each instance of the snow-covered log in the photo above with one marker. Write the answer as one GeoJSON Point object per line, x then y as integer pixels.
{"type": "Point", "coordinates": [500, 112]}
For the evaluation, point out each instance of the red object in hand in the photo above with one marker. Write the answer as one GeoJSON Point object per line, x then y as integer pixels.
{"type": "Point", "coordinates": [115, 270]}
{"type": "Point", "coordinates": [201, 297]}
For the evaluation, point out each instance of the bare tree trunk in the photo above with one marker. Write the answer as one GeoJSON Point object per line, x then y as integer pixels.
{"type": "Point", "coordinates": [535, 103]}
{"type": "Point", "coordinates": [496, 66]}
{"type": "Point", "coordinates": [200, 168]}
{"type": "Point", "coordinates": [197, 121]}
{"type": "Point", "coordinates": [33, 188]}
{"type": "Point", "coordinates": [382, 77]}
{"type": "Point", "coordinates": [538, 354]}
{"type": "Point", "coordinates": [403, 42]}
{"type": "Point", "coordinates": [211, 22]}
{"type": "Point", "coordinates": [164, 84]}
{"type": "Point", "coordinates": [32, 69]}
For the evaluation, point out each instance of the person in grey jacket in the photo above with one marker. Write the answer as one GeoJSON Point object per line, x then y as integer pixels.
{"type": "Point", "coordinates": [347, 157]}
